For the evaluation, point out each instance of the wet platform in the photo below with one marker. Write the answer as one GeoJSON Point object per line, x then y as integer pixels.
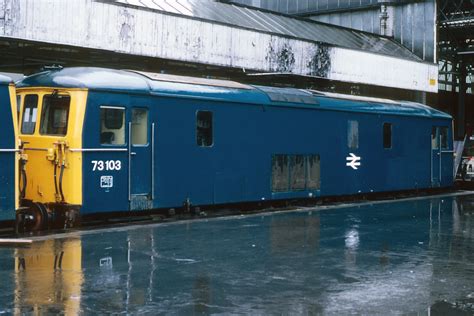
{"type": "Point", "coordinates": [414, 256]}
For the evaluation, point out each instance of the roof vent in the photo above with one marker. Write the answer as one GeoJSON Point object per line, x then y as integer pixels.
{"type": "Point", "coordinates": [52, 67]}
{"type": "Point", "coordinates": [289, 95]}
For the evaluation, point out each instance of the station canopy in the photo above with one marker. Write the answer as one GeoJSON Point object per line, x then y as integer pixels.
{"type": "Point", "coordinates": [279, 24]}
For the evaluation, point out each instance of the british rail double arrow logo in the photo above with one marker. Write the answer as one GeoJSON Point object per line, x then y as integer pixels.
{"type": "Point", "coordinates": [353, 161]}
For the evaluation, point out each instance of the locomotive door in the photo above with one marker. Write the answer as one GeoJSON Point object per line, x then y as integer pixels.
{"type": "Point", "coordinates": [435, 157]}
{"type": "Point", "coordinates": [141, 171]}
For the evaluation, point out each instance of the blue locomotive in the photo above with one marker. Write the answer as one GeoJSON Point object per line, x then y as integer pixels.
{"type": "Point", "coordinates": [9, 152]}
{"type": "Point", "coordinates": [105, 140]}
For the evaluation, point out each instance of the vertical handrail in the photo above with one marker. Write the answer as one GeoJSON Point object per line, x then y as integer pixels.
{"type": "Point", "coordinates": [153, 161]}
{"type": "Point", "coordinates": [129, 161]}
{"type": "Point", "coordinates": [440, 157]}
{"type": "Point", "coordinates": [431, 156]}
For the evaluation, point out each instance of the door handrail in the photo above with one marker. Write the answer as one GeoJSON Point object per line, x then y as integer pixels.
{"type": "Point", "coordinates": [153, 161]}
{"type": "Point", "coordinates": [130, 162]}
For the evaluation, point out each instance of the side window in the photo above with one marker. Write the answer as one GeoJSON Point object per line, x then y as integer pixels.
{"type": "Point", "coordinates": [112, 125]}
{"type": "Point", "coordinates": [313, 172]}
{"type": "Point", "coordinates": [297, 173]}
{"type": "Point", "coordinates": [443, 132]}
{"type": "Point", "coordinates": [30, 112]}
{"type": "Point", "coordinates": [54, 115]}
{"type": "Point", "coordinates": [434, 138]}
{"type": "Point", "coordinates": [387, 135]}
{"type": "Point", "coordinates": [280, 173]}
{"type": "Point", "coordinates": [204, 137]}
{"type": "Point", "coordinates": [139, 127]}
{"type": "Point", "coordinates": [353, 134]}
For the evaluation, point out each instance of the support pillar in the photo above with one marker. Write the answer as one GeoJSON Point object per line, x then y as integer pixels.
{"type": "Point", "coordinates": [461, 117]}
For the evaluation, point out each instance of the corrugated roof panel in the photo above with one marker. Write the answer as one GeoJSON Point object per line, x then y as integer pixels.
{"type": "Point", "coordinates": [208, 11]}
{"type": "Point", "coordinates": [265, 21]}
{"type": "Point", "coordinates": [163, 4]}
{"type": "Point", "coordinates": [302, 28]}
{"type": "Point", "coordinates": [185, 7]}
{"type": "Point", "coordinates": [223, 16]}
{"type": "Point", "coordinates": [151, 4]}
{"type": "Point", "coordinates": [278, 23]}
{"type": "Point", "coordinates": [250, 21]}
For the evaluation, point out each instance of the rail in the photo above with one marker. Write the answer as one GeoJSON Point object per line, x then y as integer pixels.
{"type": "Point", "coordinates": [97, 149]}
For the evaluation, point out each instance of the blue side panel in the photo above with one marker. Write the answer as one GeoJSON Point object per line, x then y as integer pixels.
{"type": "Point", "coordinates": [7, 157]}
{"type": "Point", "coordinates": [237, 167]}
{"type": "Point", "coordinates": [99, 195]}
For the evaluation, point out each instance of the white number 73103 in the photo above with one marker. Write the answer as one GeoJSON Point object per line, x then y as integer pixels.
{"type": "Point", "coordinates": [108, 165]}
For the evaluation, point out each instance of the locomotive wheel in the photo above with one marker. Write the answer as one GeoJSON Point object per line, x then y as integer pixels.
{"type": "Point", "coordinates": [34, 218]}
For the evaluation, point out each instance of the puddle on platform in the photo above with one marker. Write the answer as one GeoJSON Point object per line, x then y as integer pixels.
{"type": "Point", "coordinates": [412, 256]}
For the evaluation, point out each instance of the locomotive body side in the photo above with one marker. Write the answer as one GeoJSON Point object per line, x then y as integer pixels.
{"type": "Point", "coordinates": [129, 142]}
{"type": "Point", "coordinates": [167, 167]}
{"type": "Point", "coordinates": [9, 191]}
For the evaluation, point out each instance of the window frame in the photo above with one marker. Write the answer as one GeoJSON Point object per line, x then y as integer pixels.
{"type": "Point", "coordinates": [437, 144]}
{"type": "Point", "coordinates": [147, 127]}
{"type": "Point", "coordinates": [19, 97]}
{"type": "Point", "coordinates": [23, 113]}
{"type": "Point", "coordinates": [353, 124]}
{"type": "Point", "coordinates": [391, 135]}
{"type": "Point", "coordinates": [212, 129]}
{"type": "Point", "coordinates": [43, 96]}
{"type": "Point", "coordinates": [441, 129]}
{"type": "Point", "coordinates": [114, 107]}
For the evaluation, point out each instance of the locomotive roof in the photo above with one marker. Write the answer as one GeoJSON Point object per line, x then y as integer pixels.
{"type": "Point", "coordinates": [169, 85]}
{"type": "Point", "coordinates": [4, 80]}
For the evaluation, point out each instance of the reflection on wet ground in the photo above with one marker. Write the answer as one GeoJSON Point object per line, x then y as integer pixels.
{"type": "Point", "coordinates": [413, 256]}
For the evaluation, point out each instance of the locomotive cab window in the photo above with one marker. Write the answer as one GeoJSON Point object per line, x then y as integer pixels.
{"type": "Point", "coordinates": [387, 135]}
{"type": "Point", "coordinates": [112, 125]}
{"type": "Point", "coordinates": [30, 111]}
{"type": "Point", "coordinates": [204, 137]}
{"type": "Point", "coordinates": [54, 115]}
